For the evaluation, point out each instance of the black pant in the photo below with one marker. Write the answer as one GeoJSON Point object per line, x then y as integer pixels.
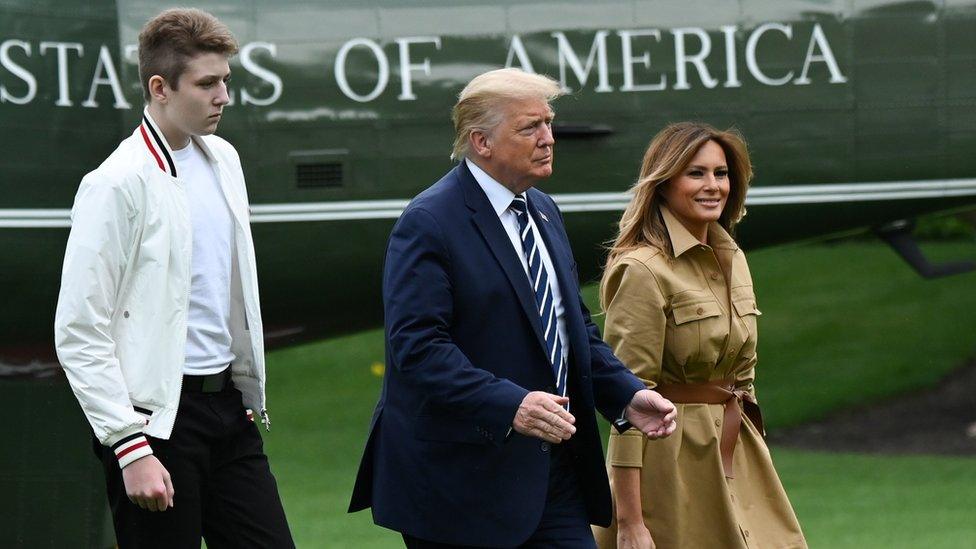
{"type": "Point", "coordinates": [564, 523]}
{"type": "Point", "coordinates": [223, 487]}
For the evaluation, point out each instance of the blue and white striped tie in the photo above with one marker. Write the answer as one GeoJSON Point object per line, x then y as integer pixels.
{"type": "Point", "coordinates": [543, 293]}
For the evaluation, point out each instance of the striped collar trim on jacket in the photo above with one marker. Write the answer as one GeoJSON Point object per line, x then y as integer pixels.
{"type": "Point", "coordinates": [152, 136]}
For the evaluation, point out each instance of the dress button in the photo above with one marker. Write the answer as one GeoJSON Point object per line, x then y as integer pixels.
{"type": "Point", "coordinates": [700, 310]}
{"type": "Point", "coordinates": [714, 276]}
{"type": "Point", "coordinates": [718, 422]}
{"type": "Point", "coordinates": [544, 446]}
{"type": "Point", "coordinates": [731, 353]}
{"type": "Point", "coordinates": [732, 497]}
{"type": "Point", "coordinates": [746, 532]}
{"type": "Point", "coordinates": [126, 314]}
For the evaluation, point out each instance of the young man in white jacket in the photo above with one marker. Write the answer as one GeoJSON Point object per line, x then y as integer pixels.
{"type": "Point", "coordinates": [158, 324]}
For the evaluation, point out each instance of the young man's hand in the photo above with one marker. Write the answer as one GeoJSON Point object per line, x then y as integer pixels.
{"type": "Point", "coordinates": [147, 484]}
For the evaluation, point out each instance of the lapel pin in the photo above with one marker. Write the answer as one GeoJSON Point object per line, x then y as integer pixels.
{"type": "Point", "coordinates": [543, 216]}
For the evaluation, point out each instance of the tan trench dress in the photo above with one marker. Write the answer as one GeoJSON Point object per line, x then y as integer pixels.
{"type": "Point", "coordinates": [692, 319]}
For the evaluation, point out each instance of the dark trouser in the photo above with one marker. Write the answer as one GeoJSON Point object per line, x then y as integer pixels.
{"type": "Point", "coordinates": [564, 523]}
{"type": "Point", "coordinates": [223, 487]}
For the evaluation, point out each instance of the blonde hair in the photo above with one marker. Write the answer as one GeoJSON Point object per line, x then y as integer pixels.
{"type": "Point", "coordinates": [479, 105]}
{"type": "Point", "coordinates": [668, 154]}
{"type": "Point", "coordinates": [169, 40]}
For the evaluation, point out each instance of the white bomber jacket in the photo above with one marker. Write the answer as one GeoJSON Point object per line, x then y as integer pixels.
{"type": "Point", "coordinates": [120, 325]}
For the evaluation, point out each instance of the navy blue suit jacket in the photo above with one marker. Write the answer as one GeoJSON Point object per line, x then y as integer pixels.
{"type": "Point", "coordinates": [463, 347]}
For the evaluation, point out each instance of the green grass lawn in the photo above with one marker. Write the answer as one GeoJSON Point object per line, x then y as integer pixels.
{"type": "Point", "coordinates": [852, 323]}
{"type": "Point", "coordinates": [862, 502]}
{"type": "Point", "coordinates": [842, 324]}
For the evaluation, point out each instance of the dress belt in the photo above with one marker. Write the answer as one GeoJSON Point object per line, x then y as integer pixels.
{"type": "Point", "coordinates": [721, 391]}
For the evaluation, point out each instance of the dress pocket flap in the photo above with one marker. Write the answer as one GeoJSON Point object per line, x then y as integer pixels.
{"type": "Point", "coordinates": [448, 429]}
{"type": "Point", "coordinates": [746, 306]}
{"type": "Point", "coordinates": [695, 311]}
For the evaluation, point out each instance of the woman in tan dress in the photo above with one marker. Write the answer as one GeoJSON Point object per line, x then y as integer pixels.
{"type": "Point", "coordinates": [681, 313]}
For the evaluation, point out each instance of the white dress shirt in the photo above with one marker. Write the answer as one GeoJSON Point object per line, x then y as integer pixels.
{"type": "Point", "coordinates": [501, 198]}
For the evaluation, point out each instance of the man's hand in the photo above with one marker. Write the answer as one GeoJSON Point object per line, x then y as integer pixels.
{"type": "Point", "coordinates": [147, 484]}
{"type": "Point", "coordinates": [651, 414]}
{"type": "Point", "coordinates": [543, 415]}
{"type": "Point", "coordinates": [634, 535]}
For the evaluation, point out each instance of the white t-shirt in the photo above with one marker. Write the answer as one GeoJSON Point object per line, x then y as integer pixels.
{"type": "Point", "coordinates": [208, 339]}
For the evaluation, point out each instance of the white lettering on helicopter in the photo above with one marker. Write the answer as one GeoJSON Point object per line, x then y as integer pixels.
{"type": "Point", "coordinates": [691, 53]}
{"type": "Point", "coordinates": [110, 79]}
{"type": "Point", "coordinates": [23, 89]}
{"type": "Point", "coordinates": [366, 59]}
{"type": "Point", "coordinates": [251, 66]}
{"type": "Point", "coordinates": [62, 49]}
{"type": "Point", "coordinates": [382, 73]}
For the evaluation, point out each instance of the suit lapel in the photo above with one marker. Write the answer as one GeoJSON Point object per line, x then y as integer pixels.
{"type": "Point", "coordinates": [487, 222]}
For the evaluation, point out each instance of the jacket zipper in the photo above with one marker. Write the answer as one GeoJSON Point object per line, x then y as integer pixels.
{"type": "Point", "coordinates": [188, 273]}
{"type": "Point", "coordinates": [242, 263]}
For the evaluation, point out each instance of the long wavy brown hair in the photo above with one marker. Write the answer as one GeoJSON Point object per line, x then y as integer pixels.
{"type": "Point", "coordinates": [667, 156]}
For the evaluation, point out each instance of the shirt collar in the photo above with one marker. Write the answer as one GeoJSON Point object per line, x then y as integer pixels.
{"type": "Point", "coordinates": [682, 240]}
{"type": "Point", "coordinates": [159, 148]}
{"type": "Point", "coordinates": [499, 195]}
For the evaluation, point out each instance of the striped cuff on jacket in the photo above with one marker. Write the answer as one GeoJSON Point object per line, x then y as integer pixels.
{"type": "Point", "coordinates": [131, 448]}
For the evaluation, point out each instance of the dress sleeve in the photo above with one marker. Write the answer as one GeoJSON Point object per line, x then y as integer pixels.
{"type": "Point", "coordinates": [745, 377]}
{"type": "Point", "coordinates": [635, 330]}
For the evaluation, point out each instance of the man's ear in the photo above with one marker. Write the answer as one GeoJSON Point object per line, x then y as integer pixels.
{"type": "Point", "coordinates": [480, 143]}
{"type": "Point", "coordinates": [158, 89]}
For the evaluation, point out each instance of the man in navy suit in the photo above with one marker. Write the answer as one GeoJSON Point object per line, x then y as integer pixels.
{"type": "Point", "coordinates": [485, 433]}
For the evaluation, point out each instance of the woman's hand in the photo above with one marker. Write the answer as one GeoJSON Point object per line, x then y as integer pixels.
{"type": "Point", "coordinates": [634, 535]}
